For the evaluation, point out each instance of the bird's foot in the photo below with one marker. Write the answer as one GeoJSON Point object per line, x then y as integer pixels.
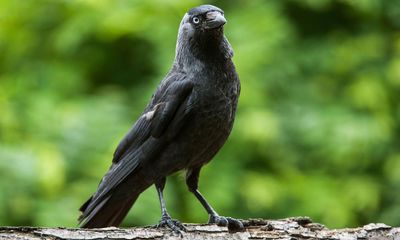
{"type": "Point", "coordinates": [233, 225]}
{"type": "Point", "coordinates": [173, 224]}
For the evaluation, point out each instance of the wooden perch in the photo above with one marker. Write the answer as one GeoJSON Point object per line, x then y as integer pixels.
{"type": "Point", "coordinates": [291, 228]}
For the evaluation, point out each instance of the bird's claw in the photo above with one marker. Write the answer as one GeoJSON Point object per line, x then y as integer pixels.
{"type": "Point", "coordinates": [220, 221]}
{"type": "Point", "coordinates": [173, 224]}
{"type": "Point", "coordinates": [233, 225]}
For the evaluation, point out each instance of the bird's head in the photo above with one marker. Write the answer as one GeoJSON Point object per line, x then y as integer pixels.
{"type": "Point", "coordinates": [204, 18]}
{"type": "Point", "coordinates": [201, 30]}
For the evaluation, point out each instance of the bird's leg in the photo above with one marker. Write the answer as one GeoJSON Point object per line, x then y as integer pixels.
{"type": "Point", "coordinates": [192, 179]}
{"type": "Point", "coordinates": [166, 220]}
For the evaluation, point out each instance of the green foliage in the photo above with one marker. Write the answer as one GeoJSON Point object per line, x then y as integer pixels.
{"type": "Point", "coordinates": [317, 130]}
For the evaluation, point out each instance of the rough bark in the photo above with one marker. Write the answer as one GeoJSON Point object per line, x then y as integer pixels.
{"type": "Point", "coordinates": [290, 228]}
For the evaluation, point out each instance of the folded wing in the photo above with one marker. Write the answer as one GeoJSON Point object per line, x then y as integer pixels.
{"type": "Point", "coordinates": [161, 121]}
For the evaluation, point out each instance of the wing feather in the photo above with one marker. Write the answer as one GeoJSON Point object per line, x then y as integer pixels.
{"type": "Point", "coordinates": [145, 140]}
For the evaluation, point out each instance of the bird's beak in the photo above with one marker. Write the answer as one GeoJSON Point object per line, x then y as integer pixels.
{"type": "Point", "coordinates": [214, 19]}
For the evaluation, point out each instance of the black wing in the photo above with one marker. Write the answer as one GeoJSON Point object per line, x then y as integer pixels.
{"type": "Point", "coordinates": [170, 94]}
{"type": "Point", "coordinates": [161, 120]}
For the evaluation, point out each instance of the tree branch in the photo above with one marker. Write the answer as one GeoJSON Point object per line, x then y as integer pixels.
{"type": "Point", "coordinates": [290, 228]}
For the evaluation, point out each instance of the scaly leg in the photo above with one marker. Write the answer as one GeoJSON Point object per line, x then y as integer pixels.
{"type": "Point", "coordinates": [166, 220]}
{"type": "Point", "coordinates": [192, 179]}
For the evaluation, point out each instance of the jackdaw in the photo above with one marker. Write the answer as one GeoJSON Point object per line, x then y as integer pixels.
{"type": "Point", "coordinates": [187, 121]}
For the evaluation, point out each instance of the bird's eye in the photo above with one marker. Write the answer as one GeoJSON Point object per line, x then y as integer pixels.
{"type": "Point", "coordinates": [196, 20]}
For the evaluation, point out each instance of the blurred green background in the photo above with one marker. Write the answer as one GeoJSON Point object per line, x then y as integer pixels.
{"type": "Point", "coordinates": [317, 130]}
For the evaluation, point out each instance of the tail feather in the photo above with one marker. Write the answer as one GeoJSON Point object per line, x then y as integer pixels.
{"type": "Point", "coordinates": [109, 212]}
{"type": "Point", "coordinates": [85, 205]}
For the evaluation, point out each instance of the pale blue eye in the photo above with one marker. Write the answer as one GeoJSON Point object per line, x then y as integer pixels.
{"type": "Point", "coordinates": [196, 20]}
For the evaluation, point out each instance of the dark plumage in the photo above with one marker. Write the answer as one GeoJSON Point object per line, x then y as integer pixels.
{"type": "Point", "coordinates": [186, 122]}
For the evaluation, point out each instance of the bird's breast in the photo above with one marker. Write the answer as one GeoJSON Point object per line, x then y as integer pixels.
{"type": "Point", "coordinates": [214, 113]}
{"type": "Point", "coordinates": [215, 107]}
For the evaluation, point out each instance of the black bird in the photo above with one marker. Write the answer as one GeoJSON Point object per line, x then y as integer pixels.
{"type": "Point", "coordinates": [187, 121]}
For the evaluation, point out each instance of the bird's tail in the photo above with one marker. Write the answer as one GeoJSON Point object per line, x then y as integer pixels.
{"type": "Point", "coordinates": [109, 212]}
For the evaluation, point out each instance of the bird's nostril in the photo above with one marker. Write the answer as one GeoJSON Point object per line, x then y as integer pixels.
{"type": "Point", "coordinates": [214, 19]}
{"type": "Point", "coordinates": [212, 15]}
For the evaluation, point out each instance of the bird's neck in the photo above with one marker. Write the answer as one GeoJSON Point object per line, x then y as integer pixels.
{"type": "Point", "coordinates": [206, 51]}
